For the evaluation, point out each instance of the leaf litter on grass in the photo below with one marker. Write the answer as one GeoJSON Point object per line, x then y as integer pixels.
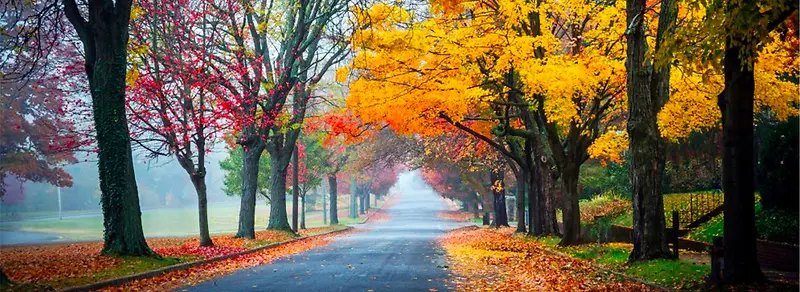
{"type": "Point", "coordinates": [483, 259]}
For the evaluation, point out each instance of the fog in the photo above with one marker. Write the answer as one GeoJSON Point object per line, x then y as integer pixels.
{"type": "Point", "coordinates": [161, 182]}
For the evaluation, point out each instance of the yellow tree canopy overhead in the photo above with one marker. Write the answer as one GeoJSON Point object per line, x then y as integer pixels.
{"type": "Point", "coordinates": [410, 70]}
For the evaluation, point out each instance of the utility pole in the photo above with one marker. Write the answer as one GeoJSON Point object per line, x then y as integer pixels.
{"type": "Point", "coordinates": [60, 217]}
{"type": "Point", "coordinates": [295, 188]}
{"type": "Point", "coordinates": [353, 199]}
{"type": "Point", "coordinates": [324, 205]}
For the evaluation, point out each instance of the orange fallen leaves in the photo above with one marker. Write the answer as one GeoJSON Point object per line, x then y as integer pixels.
{"type": "Point", "coordinates": [195, 275]}
{"type": "Point", "coordinates": [47, 264]}
{"type": "Point", "coordinates": [29, 264]}
{"type": "Point", "coordinates": [484, 259]}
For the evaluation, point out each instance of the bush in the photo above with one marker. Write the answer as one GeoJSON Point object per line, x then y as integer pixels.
{"type": "Point", "coordinates": [597, 179]}
{"type": "Point", "coordinates": [772, 225]}
{"type": "Point", "coordinates": [777, 225]}
{"type": "Point", "coordinates": [605, 205]}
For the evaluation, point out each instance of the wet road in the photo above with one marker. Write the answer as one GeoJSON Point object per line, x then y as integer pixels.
{"type": "Point", "coordinates": [400, 254]}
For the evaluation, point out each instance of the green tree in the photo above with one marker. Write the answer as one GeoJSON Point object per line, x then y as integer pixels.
{"type": "Point", "coordinates": [232, 166]}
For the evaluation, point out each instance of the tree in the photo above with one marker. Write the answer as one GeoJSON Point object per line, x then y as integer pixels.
{"type": "Point", "coordinates": [38, 137]}
{"type": "Point", "coordinates": [232, 166]}
{"type": "Point", "coordinates": [172, 107]}
{"type": "Point", "coordinates": [494, 72]}
{"type": "Point", "coordinates": [306, 48]}
{"type": "Point", "coordinates": [736, 103]}
{"type": "Point", "coordinates": [104, 36]}
{"type": "Point", "coordinates": [648, 90]}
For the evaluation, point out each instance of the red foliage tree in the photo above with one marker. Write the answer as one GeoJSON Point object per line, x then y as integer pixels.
{"type": "Point", "coordinates": [172, 106]}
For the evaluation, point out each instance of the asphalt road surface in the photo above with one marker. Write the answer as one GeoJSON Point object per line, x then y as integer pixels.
{"type": "Point", "coordinates": [400, 254]}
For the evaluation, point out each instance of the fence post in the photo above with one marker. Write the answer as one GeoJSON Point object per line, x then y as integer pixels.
{"type": "Point", "coordinates": [716, 268]}
{"type": "Point", "coordinates": [675, 237]}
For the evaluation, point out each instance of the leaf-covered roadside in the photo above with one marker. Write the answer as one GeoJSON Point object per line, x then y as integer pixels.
{"type": "Point", "coordinates": [65, 265]}
{"type": "Point", "coordinates": [484, 259]}
{"type": "Point", "coordinates": [201, 273]}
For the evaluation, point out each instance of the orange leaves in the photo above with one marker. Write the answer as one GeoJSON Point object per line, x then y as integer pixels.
{"type": "Point", "coordinates": [79, 263]}
{"type": "Point", "coordinates": [177, 279]}
{"type": "Point", "coordinates": [31, 264]}
{"type": "Point", "coordinates": [493, 260]}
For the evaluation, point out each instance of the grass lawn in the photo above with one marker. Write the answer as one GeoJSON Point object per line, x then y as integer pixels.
{"type": "Point", "coordinates": [169, 222]}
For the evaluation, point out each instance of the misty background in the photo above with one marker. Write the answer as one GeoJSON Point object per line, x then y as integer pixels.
{"type": "Point", "coordinates": [162, 183]}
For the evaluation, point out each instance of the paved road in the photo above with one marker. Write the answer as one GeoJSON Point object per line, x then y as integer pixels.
{"type": "Point", "coordinates": [398, 255]}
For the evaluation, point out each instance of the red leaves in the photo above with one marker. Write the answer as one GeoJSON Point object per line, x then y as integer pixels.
{"type": "Point", "coordinates": [32, 264]}
{"type": "Point", "coordinates": [200, 251]}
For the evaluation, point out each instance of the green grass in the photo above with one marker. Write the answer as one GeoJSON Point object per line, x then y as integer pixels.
{"type": "Point", "coordinates": [166, 222]}
{"type": "Point", "coordinates": [707, 231]}
{"type": "Point", "coordinates": [670, 273]}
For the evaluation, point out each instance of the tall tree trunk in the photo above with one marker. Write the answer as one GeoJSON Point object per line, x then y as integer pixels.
{"type": "Point", "coordinates": [736, 104]}
{"type": "Point", "coordinates": [571, 211]}
{"type": "Point", "coordinates": [334, 210]}
{"type": "Point", "coordinates": [105, 42]}
{"type": "Point", "coordinates": [295, 187]}
{"type": "Point", "coordinates": [499, 193]}
{"type": "Point", "coordinates": [646, 157]}
{"type": "Point", "coordinates": [522, 187]}
{"type": "Point", "coordinates": [120, 198]}
{"type": "Point", "coordinates": [549, 191]}
{"type": "Point", "coordinates": [303, 212]}
{"type": "Point", "coordinates": [199, 182]}
{"type": "Point", "coordinates": [247, 209]}
{"type": "Point", "coordinates": [278, 220]}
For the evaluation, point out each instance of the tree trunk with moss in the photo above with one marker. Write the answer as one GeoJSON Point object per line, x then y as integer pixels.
{"type": "Point", "coordinates": [105, 41]}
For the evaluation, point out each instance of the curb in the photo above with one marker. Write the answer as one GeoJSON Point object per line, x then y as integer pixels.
{"type": "Point", "coordinates": [369, 216]}
{"type": "Point", "coordinates": [601, 268]}
{"type": "Point", "coordinates": [183, 266]}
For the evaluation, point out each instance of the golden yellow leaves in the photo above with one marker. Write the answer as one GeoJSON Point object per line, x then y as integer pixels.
{"type": "Point", "coordinates": [610, 146]}
{"type": "Point", "coordinates": [483, 259]}
{"type": "Point", "coordinates": [342, 74]}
